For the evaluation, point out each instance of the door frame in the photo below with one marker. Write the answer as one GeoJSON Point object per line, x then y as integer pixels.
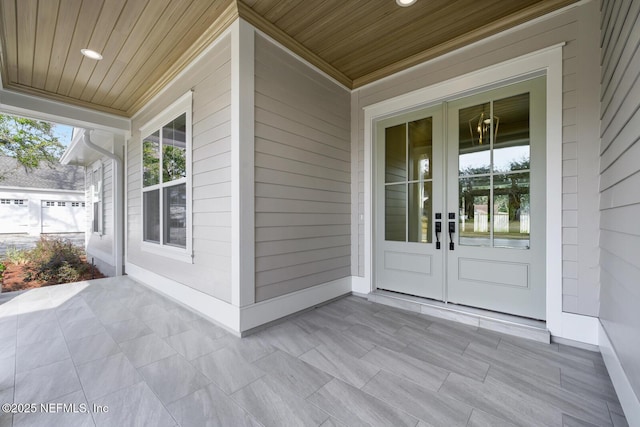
{"type": "Point", "coordinates": [547, 62]}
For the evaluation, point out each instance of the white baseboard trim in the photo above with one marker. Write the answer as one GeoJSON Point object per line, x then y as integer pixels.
{"type": "Point", "coordinates": [628, 399]}
{"type": "Point", "coordinates": [258, 314]}
{"type": "Point", "coordinates": [580, 328]}
{"type": "Point", "coordinates": [212, 308]}
{"type": "Point", "coordinates": [360, 285]}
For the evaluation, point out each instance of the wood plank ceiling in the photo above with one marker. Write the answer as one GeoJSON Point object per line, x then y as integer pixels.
{"type": "Point", "coordinates": [145, 43]}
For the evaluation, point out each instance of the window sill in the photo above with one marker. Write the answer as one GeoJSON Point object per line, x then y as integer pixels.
{"type": "Point", "coordinates": [177, 254]}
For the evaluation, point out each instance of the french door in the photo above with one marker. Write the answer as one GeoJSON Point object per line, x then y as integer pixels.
{"type": "Point", "coordinates": [459, 201]}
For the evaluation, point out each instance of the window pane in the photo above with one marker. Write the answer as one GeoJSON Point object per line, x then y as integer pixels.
{"type": "Point", "coordinates": [151, 159]}
{"type": "Point", "coordinates": [175, 215]}
{"type": "Point", "coordinates": [395, 220]}
{"type": "Point", "coordinates": [395, 153]}
{"type": "Point", "coordinates": [420, 149]}
{"type": "Point", "coordinates": [96, 217]}
{"type": "Point", "coordinates": [151, 212]}
{"type": "Point", "coordinates": [475, 139]}
{"type": "Point", "coordinates": [511, 144]}
{"type": "Point", "coordinates": [474, 211]}
{"type": "Point", "coordinates": [174, 158]}
{"type": "Point", "coordinates": [420, 200]}
{"type": "Point", "coordinates": [511, 226]}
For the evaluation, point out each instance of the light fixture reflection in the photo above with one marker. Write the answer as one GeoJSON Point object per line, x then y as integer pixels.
{"type": "Point", "coordinates": [405, 3]}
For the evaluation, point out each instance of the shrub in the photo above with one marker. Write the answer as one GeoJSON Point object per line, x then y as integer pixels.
{"type": "Point", "coordinates": [55, 261]}
{"type": "Point", "coordinates": [2, 269]}
{"type": "Point", "coordinates": [16, 256]}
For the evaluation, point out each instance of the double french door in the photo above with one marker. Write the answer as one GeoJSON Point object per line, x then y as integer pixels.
{"type": "Point", "coordinates": [459, 201]}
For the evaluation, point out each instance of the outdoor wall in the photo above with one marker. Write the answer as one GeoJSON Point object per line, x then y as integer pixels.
{"type": "Point", "coordinates": [209, 78]}
{"type": "Point", "coordinates": [619, 182]}
{"type": "Point", "coordinates": [302, 175]}
{"type": "Point", "coordinates": [99, 246]}
{"type": "Point", "coordinates": [575, 27]}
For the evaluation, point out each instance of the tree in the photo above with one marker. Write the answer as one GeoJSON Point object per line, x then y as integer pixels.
{"type": "Point", "coordinates": [29, 141]}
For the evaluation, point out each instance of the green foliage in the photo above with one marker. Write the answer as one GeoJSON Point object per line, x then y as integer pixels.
{"type": "Point", "coordinates": [2, 269]}
{"type": "Point", "coordinates": [16, 256]}
{"type": "Point", "coordinates": [55, 261]}
{"type": "Point", "coordinates": [29, 141]}
{"type": "Point", "coordinates": [151, 162]}
{"type": "Point", "coordinates": [174, 163]}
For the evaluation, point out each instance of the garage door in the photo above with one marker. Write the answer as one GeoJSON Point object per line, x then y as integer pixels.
{"type": "Point", "coordinates": [63, 217]}
{"type": "Point", "coordinates": [14, 216]}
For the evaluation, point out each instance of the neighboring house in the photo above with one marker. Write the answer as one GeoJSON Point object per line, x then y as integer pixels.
{"type": "Point", "coordinates": [47, 199]}
{"type": "Point", "coordinates": [289, 154]}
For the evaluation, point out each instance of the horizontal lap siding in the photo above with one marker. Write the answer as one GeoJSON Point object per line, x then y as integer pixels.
{"type": "Point", "coordinates": [210, 79]}
{"type": "Point", "coordinates": [619, 182]}
{"type": "Point", "coordinates": [579, 134]}
{"type": "Point", "coordinates": [302, 174]}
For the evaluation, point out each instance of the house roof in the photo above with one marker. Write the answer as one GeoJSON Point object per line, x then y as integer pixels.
{"type": "Point", "coordinates": [145, 44]}
{"type": "Point", "coordinates": [52, 177]}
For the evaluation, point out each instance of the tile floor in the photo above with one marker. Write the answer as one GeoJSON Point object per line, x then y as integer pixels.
{"type": "Point", "coordinates": [116, 344]}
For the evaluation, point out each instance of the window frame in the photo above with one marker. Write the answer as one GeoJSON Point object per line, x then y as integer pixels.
{"type": "Point", "coordinates": [182, 105]}
{"type": "Point", "coordinates": [97, 168]}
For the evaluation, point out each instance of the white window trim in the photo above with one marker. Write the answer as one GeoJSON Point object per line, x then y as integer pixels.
{"type": "Point", "coordinates": [97, 167]}
{"type": "Point", "coordinates": [181, 105]}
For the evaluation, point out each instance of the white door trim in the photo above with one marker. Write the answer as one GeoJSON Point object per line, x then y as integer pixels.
{"type": "Point", "coordinates": [543, 62]}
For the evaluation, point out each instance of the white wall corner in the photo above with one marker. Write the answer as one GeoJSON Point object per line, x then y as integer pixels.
{"type": "Point", "coordinates": [242, 164]}
{"type": "Point", "coordinates": [629, 401]}
{"type": "Point", "coordinates": [361, 285]}
{"type": "Point", "coordinates": [275, 308]}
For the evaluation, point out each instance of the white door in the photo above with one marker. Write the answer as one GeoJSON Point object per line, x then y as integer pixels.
{"type": "Point", "coordinates": [409, 178]}
{"type": "Point", "coordinates": [490, 194]}
{"type": "Point", "coordinates": [63, 217]}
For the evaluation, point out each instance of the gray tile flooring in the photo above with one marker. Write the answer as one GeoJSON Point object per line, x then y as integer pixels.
{"type": "Point", "coordinates": [114, 343]}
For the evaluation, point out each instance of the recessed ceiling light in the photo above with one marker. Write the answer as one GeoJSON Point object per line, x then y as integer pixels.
{"type": "Point", "coordinates": [91, 54]}
{"type": "Point", "coordinates": [405, 3]}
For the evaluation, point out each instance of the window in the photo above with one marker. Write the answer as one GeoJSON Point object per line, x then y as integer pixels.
{"type": "Point", "coordinates": [62, 203]}
{"type": "Point", "coordinates": [75, 204]}
{"type": "Point", "coordinates": [166, 188]}
{"type": "Point", "coordinates": [50, 204]}
{"type": "Point", "coordinates": [95, 195]}
{"type": "Point", "coordinates": [5, 202]}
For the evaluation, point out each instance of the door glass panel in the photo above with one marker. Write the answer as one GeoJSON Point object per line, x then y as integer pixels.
{"type": "Point", "coordinates": [511, 146]}
{"type": "Point", "coordinates": [420, 200]}
{"type": "Point", "coordinates": [420, 149]}
{"type": "Point", "coordinates": [395, 212]}
{"type": "Point", "coordinates": [475, 139]}
{"type": "Point", "coordinates": [395, 153]}
{"type": "Point", "coordinates": [475, 193]}
{"type": "Point", "coordinates": [511, 227]}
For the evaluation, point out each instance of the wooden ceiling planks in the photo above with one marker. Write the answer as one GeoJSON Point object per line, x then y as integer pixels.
{"type": "Point", "coordinates": [146, 42]}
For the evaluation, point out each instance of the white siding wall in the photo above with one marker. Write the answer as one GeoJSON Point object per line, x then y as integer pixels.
{"type": "Point", "coordinates": [573, 26]}
{"type": "Point", "coordinates": [620, 181]}
{"type": "Point", "coordinates": [99, 245]}
{"type": "Point", "coordinates": [210, 79]}
{"type": "Point", "coordinates": [302, 173]}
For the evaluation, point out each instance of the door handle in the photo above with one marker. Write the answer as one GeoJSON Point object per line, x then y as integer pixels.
{"type": "Point", "coordinates": [438, 231]}
{"type": "Point", "coordinates": [452, 230]}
